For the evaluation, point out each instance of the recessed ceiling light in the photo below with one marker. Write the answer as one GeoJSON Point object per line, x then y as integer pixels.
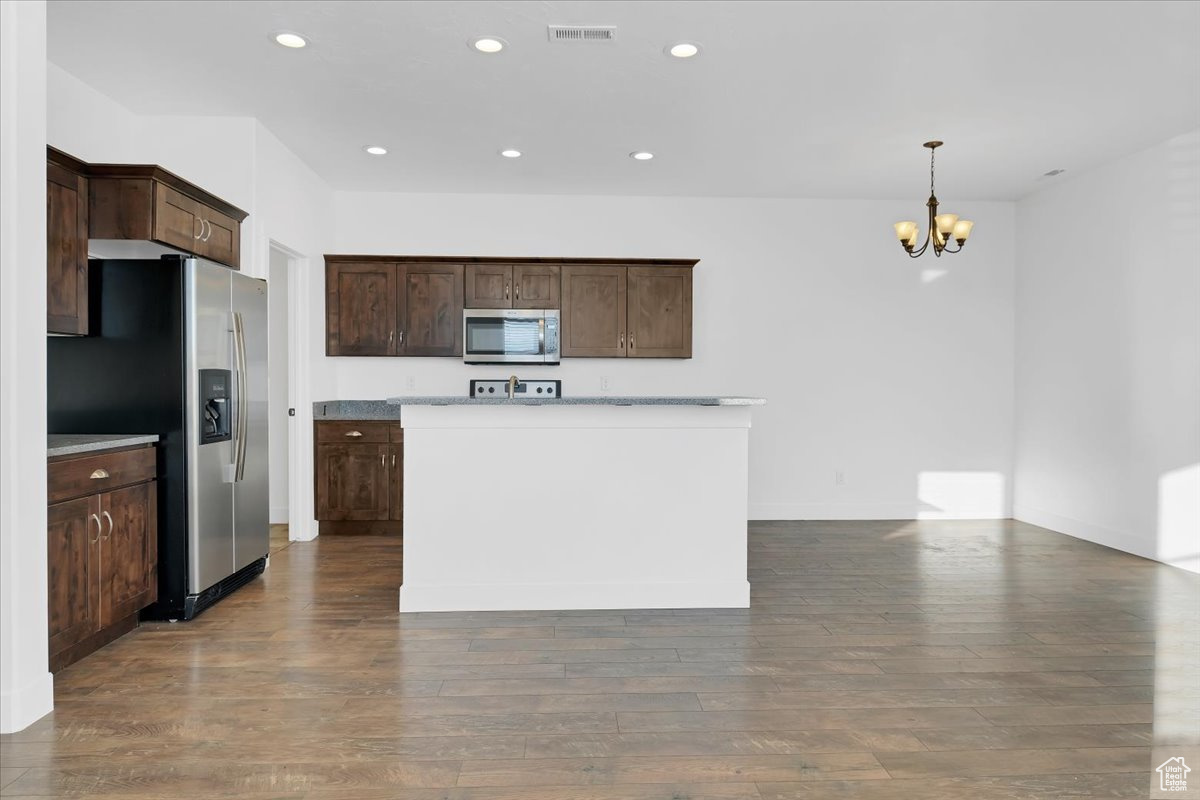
{"type": "Point", "coordinates": [376, 150]}
{"type": "Point", "coordinates": [289, 39]}
{"type": "Point", "coordinates": [510, 153]}
{"type": "Point", "coordinates": [683, 49]}
{"type": "Point", "coordinates": [488, 44]}
{"type": "Point", "coordinates": [1052, 173]}
{"type": "Point", "coordinates": [641, 155]}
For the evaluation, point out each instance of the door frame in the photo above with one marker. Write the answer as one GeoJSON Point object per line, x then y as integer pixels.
{"type": "Point", "coordinates": [302, 526]}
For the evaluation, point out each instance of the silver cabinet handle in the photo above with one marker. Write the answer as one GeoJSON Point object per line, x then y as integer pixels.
{"type": "Point", "coordinates": [111, 525]}
{"type": "Point", "coordinates": [383, 460]}
{"type": "Point", "coordinates": [517, 290]}
{"type": "Point", "coordinates": [400, 338]}
{"type": "Point", "coordinates": [99, 527]}
{"type": "Point", "coordinates": [507, 286]}
{"type": "Point", "coordinates": [197, 235]}
{"type": "Point", "coordinates": [100, 474]}
{"type": "Point", "coordinates": [393, 460]}
{"type": "Point", "coordinates": [621, 344]}
{"type": "Point", "coordinates": [391, 337]}
{"type": "Point", "coordinates": [631, 344]}
{"type": "Point", "coordinates": [208, 230]}
{"type": "Point", "coordinates": [355, 434]}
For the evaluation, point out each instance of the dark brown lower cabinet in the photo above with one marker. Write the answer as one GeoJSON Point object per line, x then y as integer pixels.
{"type": "Point", "coordinates": [359, 477]}
{"type": "Point", "coordinates": [102, 551]}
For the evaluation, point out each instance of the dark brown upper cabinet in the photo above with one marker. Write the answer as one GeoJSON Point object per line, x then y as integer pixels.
{"type": "Point", "coordinates": [627, 311]}
{"type": "Point", "coordinates": [412, 305]}
{"type": "Point", "coordinates": [512, 286]}
{"type": "Point", "coordinates": [431, 306]}
{"type": "Point", "coordinates": [361, 316]}
{"type": "Point", "coordinates": [378, 308]}
{"type": "Point", "coordinates": [145, 202]}
{"type": "Point", "coordinates": [66, 246]}
{"type": "Point", "coordinates": [488, 286]}
{"type": "Point", "coordinates": [659, 312]}
{"type": "Point", "coordinates": [536, 285]}
{"type": "Point", "coordinates": [594, 311]}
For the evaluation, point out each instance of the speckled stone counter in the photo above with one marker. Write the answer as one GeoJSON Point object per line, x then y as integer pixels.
{"type": "Point", "coordinates": [66, 444]}
{"type": "Point", "coordinates": [390, 409]}
{"type": "Point", "coordinates": [603, 400]}
{"type": "Point", "coordinates": [355, 410]}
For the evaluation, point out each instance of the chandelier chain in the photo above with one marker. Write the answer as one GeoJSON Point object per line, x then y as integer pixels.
{"type": "Point", "coordinates": [932, 153]}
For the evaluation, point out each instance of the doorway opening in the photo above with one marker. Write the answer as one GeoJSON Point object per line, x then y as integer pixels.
{"type": "Point", "coordinates": [290, 414]}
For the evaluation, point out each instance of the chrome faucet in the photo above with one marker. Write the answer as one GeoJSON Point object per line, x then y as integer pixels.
{"type": "Point", "coordinates": [513, 383]}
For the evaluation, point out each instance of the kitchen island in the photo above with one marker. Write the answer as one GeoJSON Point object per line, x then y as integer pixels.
{"type": "Point", "coordinates": [577, 503]}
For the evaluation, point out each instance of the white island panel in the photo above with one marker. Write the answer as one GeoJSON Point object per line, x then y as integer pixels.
{"type": "Point", "coordinates": [574, 507]}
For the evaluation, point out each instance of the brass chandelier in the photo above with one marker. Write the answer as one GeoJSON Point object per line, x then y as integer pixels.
{"type": "Point", "coordinates": [942, 227]}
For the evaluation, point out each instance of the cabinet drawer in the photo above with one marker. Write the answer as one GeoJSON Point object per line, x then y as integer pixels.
{"type": "Point", "coordinates": [350, 432]}
{"type": "Point", "coordinates": [99, 472]}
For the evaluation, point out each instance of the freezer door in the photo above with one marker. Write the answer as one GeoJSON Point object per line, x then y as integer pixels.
{"type": "Point", "coordinates": [251, 495]}
{"type": "Point", "coordinates": [209, 474]}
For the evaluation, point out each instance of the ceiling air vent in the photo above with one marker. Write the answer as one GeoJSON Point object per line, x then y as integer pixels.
{"type": "Point", "coordinates": [581, 33]}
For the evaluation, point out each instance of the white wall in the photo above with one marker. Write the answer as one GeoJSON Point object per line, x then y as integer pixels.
{"type": "Point", "coordinates": [1108, 355]}
{"type": "Point", "coordinates": [26, 686]}
{"type": "Point", "coordinates": [897, 373]}
{"type": "Point", "coordinates": [277, 337]}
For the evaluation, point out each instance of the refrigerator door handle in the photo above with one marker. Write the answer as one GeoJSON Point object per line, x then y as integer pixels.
{"type": "Point", "coordinates": [239, 445]}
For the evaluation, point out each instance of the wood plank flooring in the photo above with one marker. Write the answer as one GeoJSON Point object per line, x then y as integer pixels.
{"type": "Point", "coordinates": [878, 660]}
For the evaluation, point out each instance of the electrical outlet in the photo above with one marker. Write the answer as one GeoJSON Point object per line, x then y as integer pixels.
{"type": "Point", "coordinates": [410, 383]}
{"type": "Point", "coordinates": [604, 383]}
{"type": "Point", "coordinates": [839, 478]}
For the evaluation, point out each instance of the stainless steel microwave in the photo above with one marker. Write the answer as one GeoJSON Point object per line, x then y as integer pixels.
{"type": "Point", "coordinates": [510, 335]}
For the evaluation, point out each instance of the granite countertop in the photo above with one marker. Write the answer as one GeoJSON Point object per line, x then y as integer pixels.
{"type": "Point", "coordinates": [602, 400]}
{"type": "Point", "coordinates": [390, 409]}
{"type": "Point", "coordinates": [65, 444]}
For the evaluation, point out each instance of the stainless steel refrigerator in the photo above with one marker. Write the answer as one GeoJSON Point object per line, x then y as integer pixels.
{"type": "Point", "coordinates": [178, 347]}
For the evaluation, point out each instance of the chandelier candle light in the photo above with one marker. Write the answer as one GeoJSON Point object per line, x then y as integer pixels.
{"type": "Point", "coordinates": [942, 227]}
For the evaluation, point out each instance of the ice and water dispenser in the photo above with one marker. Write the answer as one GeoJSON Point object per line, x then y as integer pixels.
{"type": "Point", "coordinates": [215, 406]}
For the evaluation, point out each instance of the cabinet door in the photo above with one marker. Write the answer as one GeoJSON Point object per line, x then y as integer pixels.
{"type": "Point", "coordinates": [536, 285]}
{"type": "Point", "coordinates": [360, 309]}
{"type": "Point", "coordinates": [593, 311]}
{"type": "Point", "coordinates": [66, 251]}
{"type": "Point", "coordinates": [128, 551]}
{"type": "Point", "coordinates": [352, 481]}
{"type": "Point", "coordinates": [72, 551]}
{"type": "Point", "coordinates": [176, 219]}
{"type": "Point", "coordinates": [660, 312]}
{"type": "Point", "coordinates": [396, 473]}
{"type": "Point", "coordinates": [488, 286]}
{"type": "Point", "coordinates": [431, 303]}
{"type": "Point", "coordinates": [220, 239]}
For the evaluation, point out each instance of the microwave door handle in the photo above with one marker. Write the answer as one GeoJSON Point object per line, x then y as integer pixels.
{"type": "Point", "coordinates": [542, 336]}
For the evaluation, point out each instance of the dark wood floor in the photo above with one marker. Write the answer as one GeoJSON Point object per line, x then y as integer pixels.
{"type": "Point", "coordinates": [879, 660]}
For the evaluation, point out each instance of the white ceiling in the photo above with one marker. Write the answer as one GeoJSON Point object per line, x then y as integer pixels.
{"type": "Point", "coordinates": [787, 99]}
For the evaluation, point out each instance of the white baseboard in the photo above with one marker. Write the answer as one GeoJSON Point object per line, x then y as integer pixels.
{"type": "Point", "coordinates": [880, 510]}
{"type": "Point", "coordinates": [571, 596]}
{"type": "Point", "coordinates": [279, 515]}
{"type": "Point", "coordinates": [25, 705]}
{"type": "Point", "coordinates": [1098, 534]}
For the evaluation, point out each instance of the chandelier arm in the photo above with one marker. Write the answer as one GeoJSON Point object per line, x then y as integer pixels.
{"type": "Point", "coordinates": [948, 250]}
{"type": "Point", "coordinates": [921, 252]}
